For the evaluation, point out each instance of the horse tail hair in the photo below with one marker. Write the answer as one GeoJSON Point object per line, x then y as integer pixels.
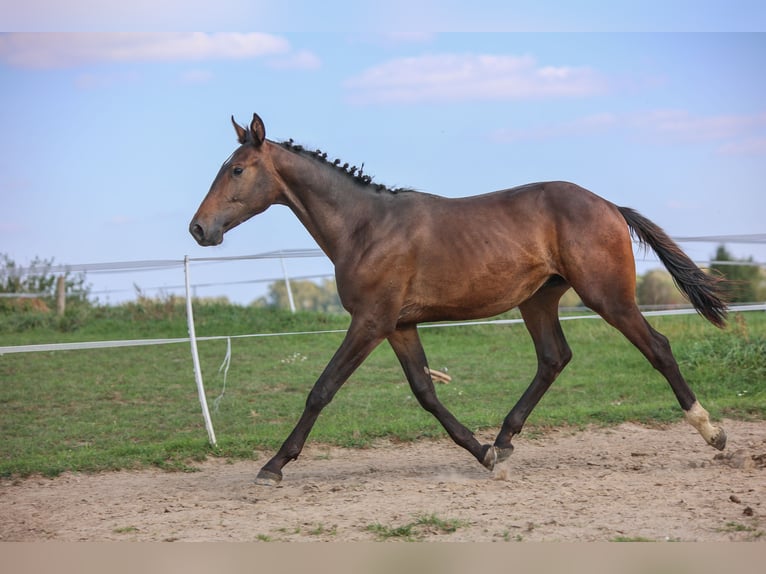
{"type": "Point", "coordinates": [704, 291]}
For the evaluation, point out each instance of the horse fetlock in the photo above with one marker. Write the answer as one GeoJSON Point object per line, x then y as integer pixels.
{"type": "Point", "coordinates": [699, 418]}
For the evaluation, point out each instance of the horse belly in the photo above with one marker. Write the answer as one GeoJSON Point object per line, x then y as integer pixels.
{"type": "Point", "coordinates": [471, 291]}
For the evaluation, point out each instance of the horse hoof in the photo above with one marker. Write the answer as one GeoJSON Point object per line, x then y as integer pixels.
{"type": "Point", "coordinates": [503, 454]}
{"type": "Point", "coordinates": [718, 440]}
{"type": "Point", "coordinates": [490, 457]}
{"type": "Point", "coordinates": [268, 478]}
{"type": "Point", "coordinates": [495, 455]}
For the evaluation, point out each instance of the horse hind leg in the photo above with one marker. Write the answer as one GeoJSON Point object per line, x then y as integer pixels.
{"type": "Point", "coordinates": [540, 314]}
{"type": "Point", "coordinates": [623, 314]}
{"type": "Point", "coordinates": [661, 357]}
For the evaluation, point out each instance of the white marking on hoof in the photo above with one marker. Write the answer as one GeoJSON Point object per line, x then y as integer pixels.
{"type": "Point", "coordinates": [699, 418]}
{"type": "Point", "coordinates": [490, 458]}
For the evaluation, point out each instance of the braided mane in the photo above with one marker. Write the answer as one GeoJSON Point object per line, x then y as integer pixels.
{"type": "Point", "coordinates": [354, 172]}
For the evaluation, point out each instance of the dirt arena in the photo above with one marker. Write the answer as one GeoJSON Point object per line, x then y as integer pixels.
{"type": "Point", "coordinates": [624, 483]}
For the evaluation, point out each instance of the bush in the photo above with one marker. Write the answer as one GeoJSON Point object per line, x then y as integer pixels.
{"type": "Point", "coordinates": [36, 286]}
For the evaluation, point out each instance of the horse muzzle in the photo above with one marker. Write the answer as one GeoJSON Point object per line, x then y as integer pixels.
{"type": "Point", "coordinates": [206, 236]}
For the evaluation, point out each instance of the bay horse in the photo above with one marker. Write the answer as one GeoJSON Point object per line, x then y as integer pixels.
{"type": "Point", "coordinates": [404, 257]}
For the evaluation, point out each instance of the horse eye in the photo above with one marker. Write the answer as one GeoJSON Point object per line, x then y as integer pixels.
{"type": "Point", "coordinates": [237, 170]}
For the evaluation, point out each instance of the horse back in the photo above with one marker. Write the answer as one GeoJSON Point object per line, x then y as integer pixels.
{"type": "Point", "coordinates": [481, 255]}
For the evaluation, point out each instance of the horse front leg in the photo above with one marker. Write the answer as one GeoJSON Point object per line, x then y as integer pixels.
{"type": "Point", "coordinates": [409, 350]}
{"type": "Point", "coordinates": [359, 342]}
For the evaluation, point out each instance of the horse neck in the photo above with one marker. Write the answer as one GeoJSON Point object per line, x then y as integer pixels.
{"type": "Point", "coordinates": [329, 203]}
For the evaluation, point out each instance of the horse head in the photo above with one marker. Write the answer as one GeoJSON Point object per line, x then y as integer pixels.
{"type": "Point", "coordinates": [246, 185]}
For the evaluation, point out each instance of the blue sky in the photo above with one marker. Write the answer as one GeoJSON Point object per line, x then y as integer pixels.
{"type": "Point", "coordinates": [110, 140]}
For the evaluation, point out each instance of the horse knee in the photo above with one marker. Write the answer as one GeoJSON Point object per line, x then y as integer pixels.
{"type": "Point", "coordinates": [566, 356]}
{"type": "Point", "coordinates": [552, 363]}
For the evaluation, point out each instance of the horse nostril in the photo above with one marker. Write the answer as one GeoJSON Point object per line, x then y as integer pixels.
{"type": "Point", "coordinates": [197, 232]}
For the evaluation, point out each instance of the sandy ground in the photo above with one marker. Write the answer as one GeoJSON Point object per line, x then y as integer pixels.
{"type": "Point", "coordinates": [598, 485]}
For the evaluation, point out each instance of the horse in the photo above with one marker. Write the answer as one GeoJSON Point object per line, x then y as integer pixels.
{"type": "Point", "coordinates": [404, 257]}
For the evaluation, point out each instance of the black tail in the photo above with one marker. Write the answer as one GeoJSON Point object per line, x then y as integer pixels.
{"type": "Point", "coordinates": [703, 291]}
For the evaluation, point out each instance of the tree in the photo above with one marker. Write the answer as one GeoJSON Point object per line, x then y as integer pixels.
{"type": "Point", "coordinates": [746, 281]}
{"type": "Point", "coordinates": [307, 295]}
{"type": "Point", "coordinates": [571, 299]}
{"type": "Point", "coordinates": [656, 287]}
{"type": "Point", "coordinates": [37, 278]}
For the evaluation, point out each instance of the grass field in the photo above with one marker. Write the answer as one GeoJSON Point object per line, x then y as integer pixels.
{"type": "Point", "coordinates": [91, 410]}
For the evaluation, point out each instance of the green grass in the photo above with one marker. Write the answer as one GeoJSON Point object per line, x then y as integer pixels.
{"type": "Point", "coordinates": [752, 533]}
{"type": "Point", "coordinates": [420, 527]}
{"type": "Point", "coordinates": [631, 539]}
{"type": "Point", "coordinates": [104, 409]}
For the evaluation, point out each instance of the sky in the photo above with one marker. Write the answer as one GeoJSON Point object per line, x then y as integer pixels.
{"type": "Point", "coordinates": [111, 136]}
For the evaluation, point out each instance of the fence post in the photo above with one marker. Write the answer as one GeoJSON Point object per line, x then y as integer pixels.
{"type": "Point", "coordinates": [195, 357]}
{"type": "Point", "coordinates": [60, 295]}
{"type": "Point", "coordinates": [287, 284]}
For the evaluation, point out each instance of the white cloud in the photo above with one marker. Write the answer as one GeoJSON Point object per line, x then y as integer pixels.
{"type": "Point", "coordinates": [90, 81]}
{"type": "Point", "coordinates": [196, 76]}
{"type": "Point", "coordinates": [469, 77]}
{"type": "Point", "coordinates": [747, 146]}
{"type": "Point", "coordinates": [303, 60]}
{"type": "Point", "coordinates": [586, 126]}
{"type": "Point", "coordinates": [681, 125]}
{"type": "Point", "coordinates": [734, 134]}
{"type": "Point", "coordinates": [61, 50]}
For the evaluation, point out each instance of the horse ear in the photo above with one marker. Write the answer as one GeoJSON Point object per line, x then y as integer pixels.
{"type": "Point", "coordinates": [258, 130]}
{"type": "Point", "coordinates": [241, 132]}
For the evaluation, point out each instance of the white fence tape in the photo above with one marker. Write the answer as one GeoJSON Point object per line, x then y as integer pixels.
{"type": "Point", "coordinates": [144, 342]}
